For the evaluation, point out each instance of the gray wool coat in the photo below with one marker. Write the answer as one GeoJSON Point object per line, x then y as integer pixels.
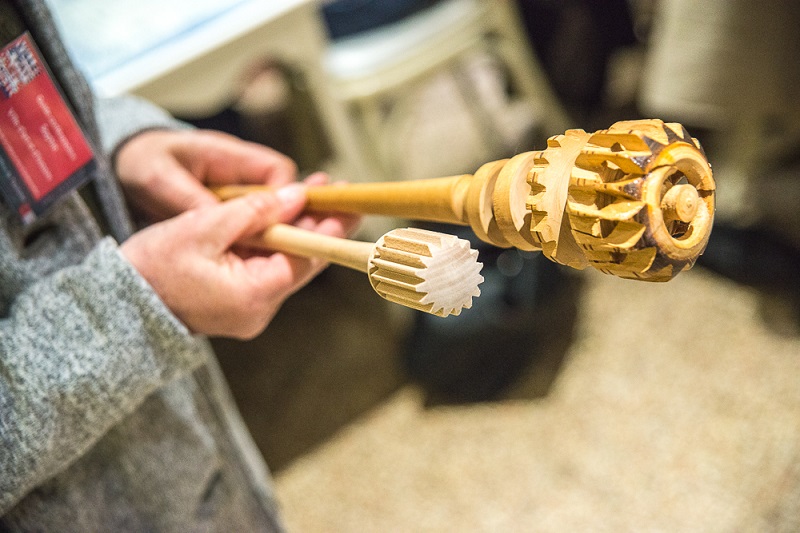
{"type": "Point", "coordinates": [113, 417]}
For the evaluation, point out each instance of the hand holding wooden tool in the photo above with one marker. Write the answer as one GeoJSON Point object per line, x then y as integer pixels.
{"type": "Point", "coordinates": [425, 270]}
{"type": "Point", "coordinates": [635, 200]}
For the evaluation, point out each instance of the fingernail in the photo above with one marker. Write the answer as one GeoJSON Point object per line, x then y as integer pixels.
{"type": "Point", "coordinates": [292, 193]}
{"type": "Point", "coordinates": [317, 178]}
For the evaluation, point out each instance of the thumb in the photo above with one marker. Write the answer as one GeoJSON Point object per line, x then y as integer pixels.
{"type": "Point", "coordinates": [242, 217]}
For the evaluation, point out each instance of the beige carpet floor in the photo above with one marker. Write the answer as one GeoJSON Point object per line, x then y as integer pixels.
{"type": "Point", "coordinates": [676, 409]}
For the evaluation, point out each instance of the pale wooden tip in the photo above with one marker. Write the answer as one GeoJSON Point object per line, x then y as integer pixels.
{"type": "Point", "coordinates": [425, 270]}
{"type": "Point", "coordinates": [681, 203]}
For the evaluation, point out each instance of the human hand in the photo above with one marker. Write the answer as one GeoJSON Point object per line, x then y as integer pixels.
{"type": "Point", "coordinates": [164, 172]}
{"type": "Point", "coordinates": [213, 286]}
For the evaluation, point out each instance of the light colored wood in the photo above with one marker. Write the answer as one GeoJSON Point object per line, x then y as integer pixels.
{"type": "Point", "coordinates": [622, 213]}
{"type": "Point", "coordinates": [548, 198]}
{"type": "Point", "coordinates": [509, 202]}
{"type": "Point", "coordinates": [435, 200]}
{"type": "Point", "coordinates": [680, 203]}
{"type": "Point", "coordinates": [228, 192]}
{"type": "Point", "coordinates": [636, 200]}
{"type": "Point", "coordinates": [424, 270]}
{"type": "Point", "coordinates": [478, 205]}
{"type": "Point", "coordinates": [304, 243]}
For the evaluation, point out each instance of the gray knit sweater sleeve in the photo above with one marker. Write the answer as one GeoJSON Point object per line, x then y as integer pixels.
{"type": "Point", "coordinates": [122, 117]}
{"type": "Point", "coordinates": [80, 350]}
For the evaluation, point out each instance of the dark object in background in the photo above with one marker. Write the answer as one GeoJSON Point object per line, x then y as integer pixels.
{"type": "Point", "coordinates": [348, 17]}
{"type": "Point", "coordinates": [754, 256]}
{"type": "Point", "coordinates": [574, 40]}
{"type": "Point", "coordinates": [523, 319]}
{"type": "Point", "coordinates": [759, 257]}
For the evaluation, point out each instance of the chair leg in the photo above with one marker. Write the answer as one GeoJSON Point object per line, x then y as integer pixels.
{"type": "Point", "coordinates": [492, 137]}
{"type": "Point", "coordinates": [513, 48]}
{"type": "Point", "coordinates": [372, 119]}
{"type": "Point", "coordinates": [340, 129]}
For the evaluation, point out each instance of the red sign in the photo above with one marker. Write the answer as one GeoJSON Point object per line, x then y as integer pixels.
{"type": "Point", "coordinates": [39, 135]}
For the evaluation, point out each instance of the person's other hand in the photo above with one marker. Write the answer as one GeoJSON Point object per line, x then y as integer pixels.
{"type": "Point", "coordinates": [214, 287]}
{"type": "Point", "coordinates": [164, 172]}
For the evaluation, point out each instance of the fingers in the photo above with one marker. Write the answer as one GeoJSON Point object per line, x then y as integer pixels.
{"type": "Point", "coordinates": [317, 178]}
{"type": "Point", "coordinates": [287, 273]}
{"type": "Point", "coordinates": [190, 259]}
{"type": "Point", "coordinates": [164, 172]}
{"type": "Point", "coordinates": [218, 158]}
{"type": "Point", "coordinates": [245, 216]}
{"type": "Point", "coordinates": [188, 262]}
{"type": "Point", "coordinates": [281, 274]}
{"type": "Point", "coordinates": [179, 191]}
{"type": "Point", "coordinates": [334, 224]}
{"type": "Point", "coordinates": [156, 183]}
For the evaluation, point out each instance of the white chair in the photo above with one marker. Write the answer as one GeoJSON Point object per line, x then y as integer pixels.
{"type": "Point", "coordinates": [373, 71]}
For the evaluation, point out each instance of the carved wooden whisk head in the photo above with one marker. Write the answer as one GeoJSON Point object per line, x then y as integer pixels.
{"type": "Point", "coordinates": [425, 270]}
{"type": "Point", "coordinates": [635, 200]}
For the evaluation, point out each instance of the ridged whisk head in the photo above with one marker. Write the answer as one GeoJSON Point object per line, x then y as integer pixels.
{"type": "Point", "coordinates": [425, 270]}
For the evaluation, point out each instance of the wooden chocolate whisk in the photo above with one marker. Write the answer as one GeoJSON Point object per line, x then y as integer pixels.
{"type": "Point", "coordinates": [635, 200]}
{"type": "Point", "coordinates": [425, 270]}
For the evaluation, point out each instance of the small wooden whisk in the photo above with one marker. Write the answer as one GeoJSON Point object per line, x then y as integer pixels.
{"type": "Point", "coordinates": [425, 270]}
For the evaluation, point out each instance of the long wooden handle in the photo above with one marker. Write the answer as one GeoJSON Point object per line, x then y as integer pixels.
{"type": "Point", "coordinates": [433, 200]}
{"type": "Point", "coordinates": [304, 243]}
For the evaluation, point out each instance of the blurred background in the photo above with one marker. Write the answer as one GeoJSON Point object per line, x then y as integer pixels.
{"type": "Point", "coordinates": [563, 400]}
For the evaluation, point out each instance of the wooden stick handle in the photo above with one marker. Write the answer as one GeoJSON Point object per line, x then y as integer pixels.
{"type": "Point", "coordinates": [433, 200]}
{"type": "Point", "coordinates": [304, 243]}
